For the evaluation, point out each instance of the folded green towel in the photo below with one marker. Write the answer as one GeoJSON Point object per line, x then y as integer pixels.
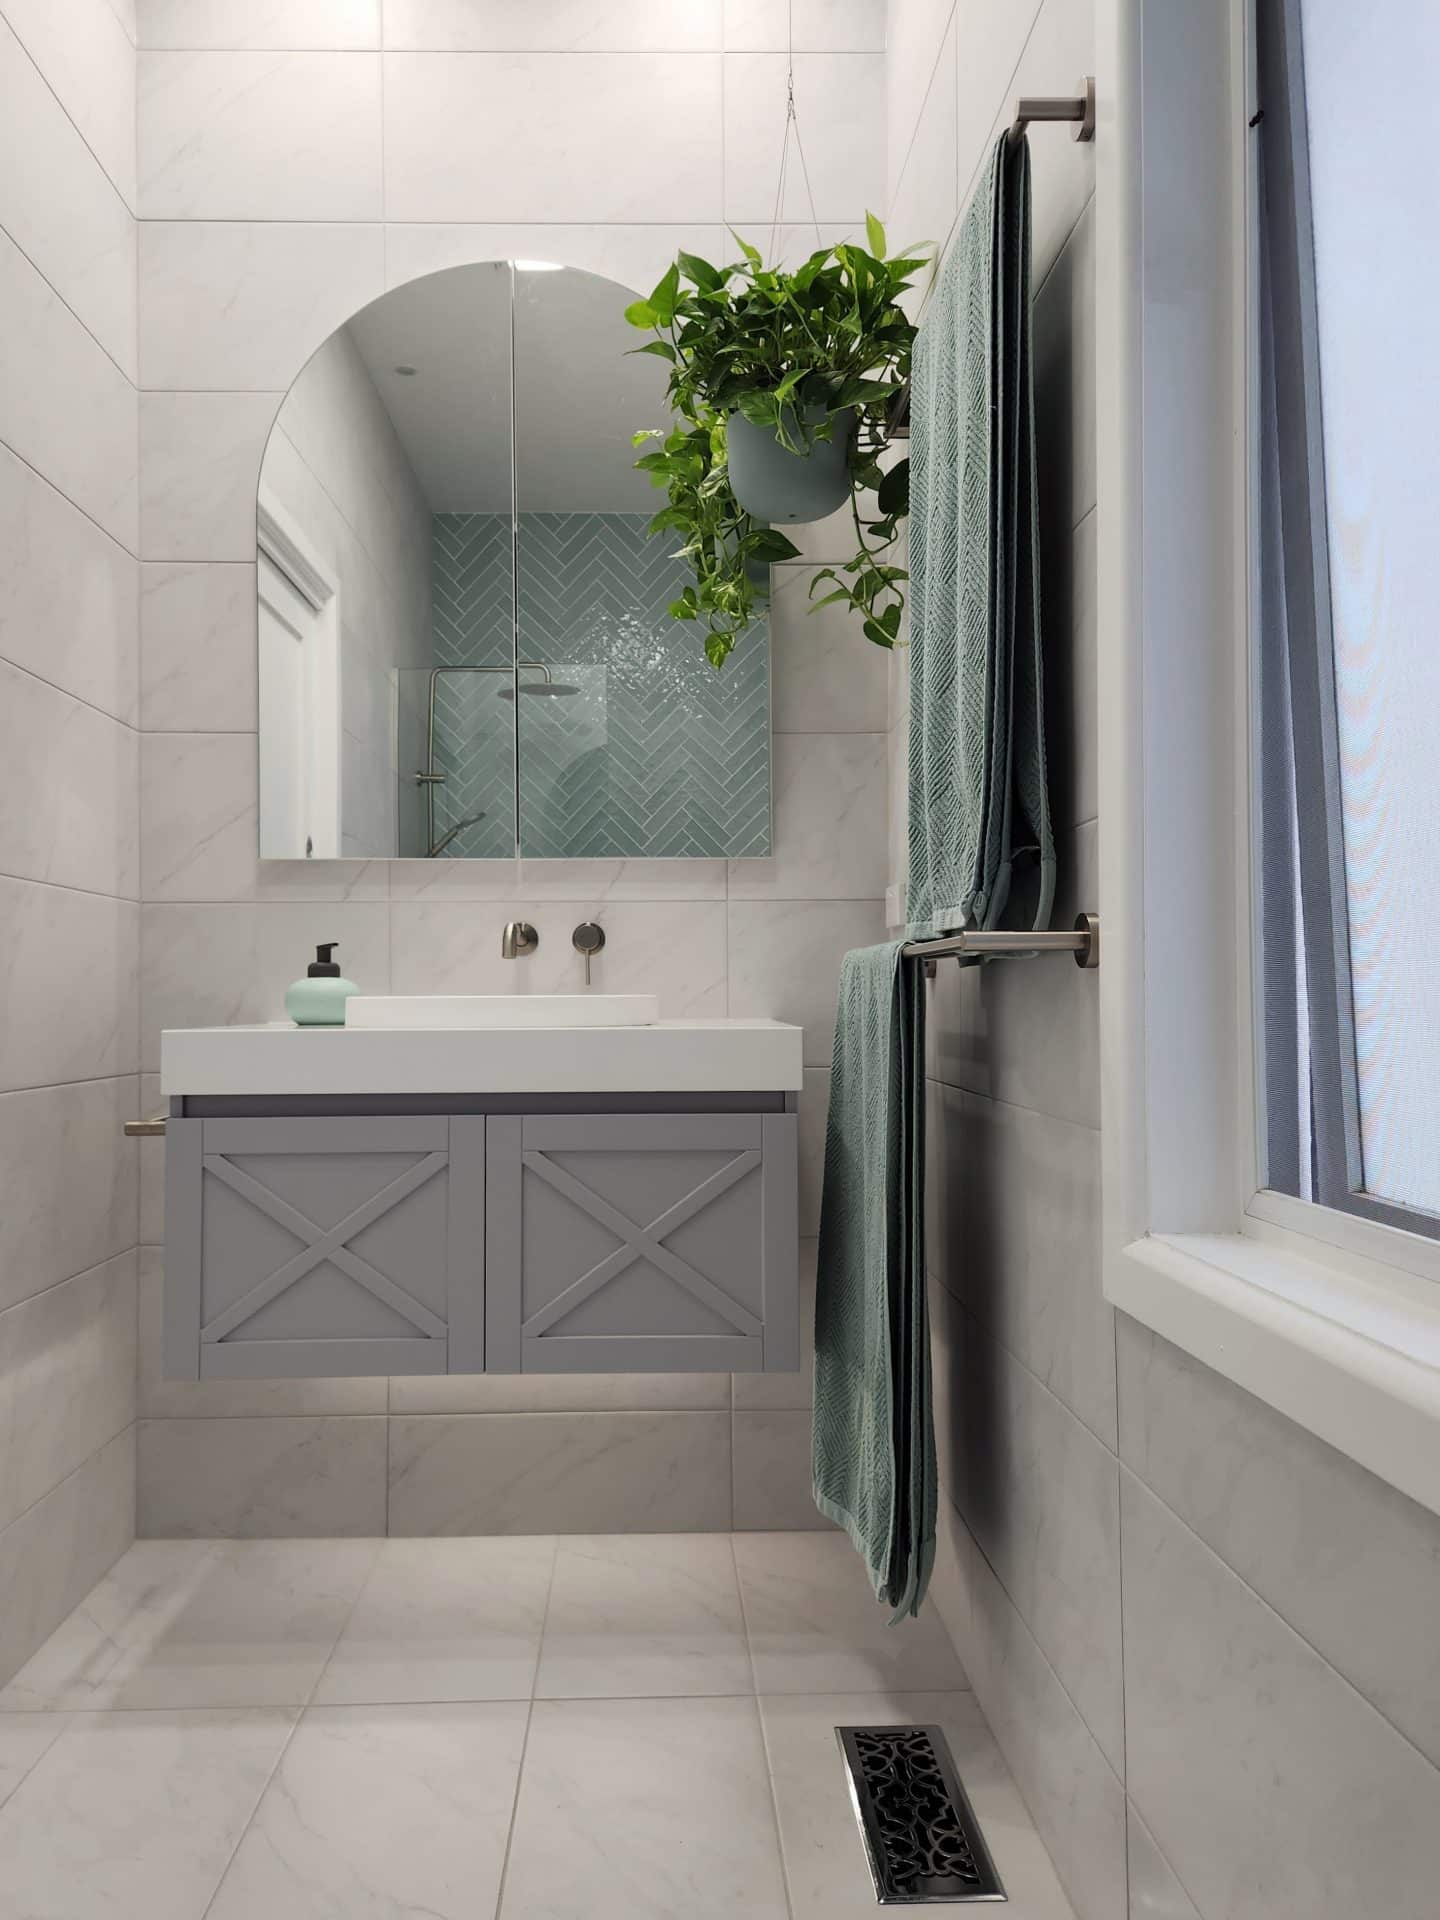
{"type": "Point", "coordinates": [977, 737]}
{"type": "Point", "coordinates": [874, 1443]}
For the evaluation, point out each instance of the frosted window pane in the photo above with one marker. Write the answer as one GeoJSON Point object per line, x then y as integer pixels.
{"type": "Point", "coordinates": [1369, 80]}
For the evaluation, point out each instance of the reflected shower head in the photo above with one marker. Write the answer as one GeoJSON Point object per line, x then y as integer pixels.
{"type": "Point", "coordinates": [459, 827]}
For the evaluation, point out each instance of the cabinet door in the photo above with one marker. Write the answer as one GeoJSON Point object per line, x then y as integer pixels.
{"type": "Point", "coordinates": [629, 1243]}
{"type": "Point", "coordinates": [321, 1246]}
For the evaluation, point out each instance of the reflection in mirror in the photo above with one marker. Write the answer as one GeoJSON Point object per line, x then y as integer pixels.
{"type": "Point", "coordinates": [463, 638]}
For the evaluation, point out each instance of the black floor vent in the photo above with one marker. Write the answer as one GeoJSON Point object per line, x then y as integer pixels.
{"type": "Point", "coordinates": [921, 1834]}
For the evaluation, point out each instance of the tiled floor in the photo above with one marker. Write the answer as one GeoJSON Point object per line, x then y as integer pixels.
{"type": "Point", "coordinates": [634, 1727]}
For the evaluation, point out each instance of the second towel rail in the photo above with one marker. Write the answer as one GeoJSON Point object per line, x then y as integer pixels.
{"type": "Point", "coordinates": [1083, 940]}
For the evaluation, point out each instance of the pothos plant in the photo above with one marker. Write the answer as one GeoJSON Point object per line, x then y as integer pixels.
{"type": "Point", "coordinates": [823, 350]}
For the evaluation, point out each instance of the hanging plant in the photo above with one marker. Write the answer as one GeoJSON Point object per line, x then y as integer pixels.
{"type": "Point", "coordinates": [810, 360]}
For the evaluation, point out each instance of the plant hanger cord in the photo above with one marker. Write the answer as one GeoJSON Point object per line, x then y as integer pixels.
{"type": "Point", "coordinates": [792, 123]}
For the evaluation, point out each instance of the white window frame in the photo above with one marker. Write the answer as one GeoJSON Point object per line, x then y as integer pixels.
{"type": "Point", "coordinates": [1332, 1319]}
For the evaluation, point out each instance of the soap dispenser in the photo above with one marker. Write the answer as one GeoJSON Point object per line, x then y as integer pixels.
{"type": "Point", "coordinates": [319, 999]}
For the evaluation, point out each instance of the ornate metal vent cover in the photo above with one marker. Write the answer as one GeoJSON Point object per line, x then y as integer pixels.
{"type": "Point", "coordinates": [921, 1835]}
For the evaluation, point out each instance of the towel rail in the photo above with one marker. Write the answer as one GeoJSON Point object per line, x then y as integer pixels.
{"type": "Point", "coordinates": [1083, 940]}
{"type": "Point", "coordinates": [1077, 108]}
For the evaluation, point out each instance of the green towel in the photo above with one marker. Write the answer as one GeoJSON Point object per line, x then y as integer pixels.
{"type": "Point", "coordinates": [977, 739]}
{"type": "Point", "coordinates": [874, 1443]}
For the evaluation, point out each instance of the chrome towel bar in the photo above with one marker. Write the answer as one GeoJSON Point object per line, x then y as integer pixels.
{"type": "Point", "coordinates": [145, 1129]}
{"type": "Point", "coordinates": [1077, 108]}
{"type": "Point", "coordinates": [1083, 941]}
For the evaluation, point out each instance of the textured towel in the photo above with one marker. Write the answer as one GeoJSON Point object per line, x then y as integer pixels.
{"type": "Point", "coordinates": [977, 741]}
{"type": "Point", "coordinates": [874, 1444]}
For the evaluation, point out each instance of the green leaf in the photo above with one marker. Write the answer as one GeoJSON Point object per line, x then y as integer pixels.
{"type": "Point", "coordinates": [706, 277]}
{"type": "Point", "coordinates": [874, 631]}
{"type": "Point", "coordinates": [662, 300]}
{"type": "Point", "coordinates": [640, 313]}
{"type": "Point", "coordinates": [661, 348]}
{"type": "Point", "coordinates": [875, 234]}
{"type": "Point", "coordinates": [752, 254]}
{"type": "Point", "coordinates": [893, 494]}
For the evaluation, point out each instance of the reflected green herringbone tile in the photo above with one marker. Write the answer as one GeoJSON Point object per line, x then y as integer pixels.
{"type": "Point", "coordinates": [656, 756]}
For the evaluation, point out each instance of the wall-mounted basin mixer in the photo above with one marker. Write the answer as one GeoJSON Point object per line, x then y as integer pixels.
{"type": "Point", "coordinates": [587, 939]}
{"type": "Point", "coordinates": [519, 937]}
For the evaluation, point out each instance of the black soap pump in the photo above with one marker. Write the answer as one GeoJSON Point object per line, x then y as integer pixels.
{"type": "Point", "coordinates": [319, 999]}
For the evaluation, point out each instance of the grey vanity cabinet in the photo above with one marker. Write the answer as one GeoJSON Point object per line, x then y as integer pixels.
{"type": "Point", "coordinates": [314, 1244]}
{"type": "Point", "coordinates": [323, 1245]}
{"type": "Point", "coordinates": [633, 1243]}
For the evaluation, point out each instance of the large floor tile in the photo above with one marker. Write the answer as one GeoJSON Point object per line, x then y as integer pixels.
{"type": "Point", "coordinates": [25, 1739]}
{"type": "Point", "coordinates": [246, 1623]}
{"type": "Point", "coordinates": [133, 1816]}
{"type": "Point", "coordinates": [383, 1811]}
{"type": "Point", "coordinates": [824, 1855]}
{"type": "Point", "coordinates": [816, 1627]}
{"type": "Point", "coordinates": [644, 1810]}
{"type": "Point", "coordinates": [444, 1620]}
{"type": "Point", "coordinates": [644, 1614]}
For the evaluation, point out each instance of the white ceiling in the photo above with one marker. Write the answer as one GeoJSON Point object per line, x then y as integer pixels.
{"type": "Point", "coordinates": [578, 398]}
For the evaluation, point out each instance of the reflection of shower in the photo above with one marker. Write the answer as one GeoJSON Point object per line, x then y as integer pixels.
{"type": "Point", "coordinates": [430, 779]}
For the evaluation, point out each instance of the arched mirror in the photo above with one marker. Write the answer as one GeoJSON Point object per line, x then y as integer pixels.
{"type": "Point", "coordinates": [464, 649]}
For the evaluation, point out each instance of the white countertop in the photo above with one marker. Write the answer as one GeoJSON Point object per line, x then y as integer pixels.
{"type": "Point", "coordinates": [673, 1056]}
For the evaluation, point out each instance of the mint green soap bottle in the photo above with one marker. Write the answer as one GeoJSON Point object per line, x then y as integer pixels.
{"type": "Point", "coordinates": [319, 999]}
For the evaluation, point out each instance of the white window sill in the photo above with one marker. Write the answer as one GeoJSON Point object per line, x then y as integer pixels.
{"type": "Point", "coordinates": [1351, 1352]}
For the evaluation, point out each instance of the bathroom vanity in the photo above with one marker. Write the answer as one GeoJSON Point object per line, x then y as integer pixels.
{"type": "Point", "coordinates": [346, 1201]}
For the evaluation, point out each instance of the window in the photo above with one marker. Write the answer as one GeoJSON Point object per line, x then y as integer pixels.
{"type": "Point", "coordinates": [1348, 627]}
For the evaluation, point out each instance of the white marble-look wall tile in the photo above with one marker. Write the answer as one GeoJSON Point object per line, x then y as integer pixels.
{"type": "Point", "coordinates": [830, 822]}
{"type": "Point", "coordinates": [673, 949]}
{"type": "Point", "coordinates": [67, 1380]}
{"type": "Point", "coordinates": [1068, 596]}
{"type": "Point", "coordinates": [261, 1478]}
{"type": "Point", "coordinates": [1064, 353]}
{"type": "Point", "coordinates": [67, 985]}
{"type": "Point", "coordinates": [70, 1182]}
{"type": "Point", "coordinates": [1073, 1793]}
{"type": "Point", "coordinates": [1061, 43]}
{"type": "Point", "coordinates": [243, 304]}
{"type": "Point", "coordinates": [992, 38]}
{"type": "Point", "coordinates": [1350, 1562]}
{"type": "Point", "coordinates": [198, 648]}
{"type": "Point", "coordinates": [200, 457]}
{"type": "Point", "coordinates": [67, 594]}
{"type": "Point", "coordinates": [229, 963]}
{"type": "Point", "coordinates": [559, 1392]}
{"type": "Point", "coordinates": [68, 785]}
{"type": "Point", "coordinates": [925, 201]}
{"type": "Point", "coordinates": [65, 406]}
{"type": "Point", "coordinates": [1040, 1494]}
{"type": "Point", "coordinates": [87, 57]}
{"type": "Point", "coordinates": [1155, 1893]}
{"type": "Point", "coordinates": [772, 1469]}
{"type": "Point", "coordinates": [561, 26]}
{"type": "Point", "coordinates": [839, 103]}
{"type": "Point", "coordinates": [634, 254]}
{"type": "Point", "coordinates": [88, 256]}
{"type": "Point", "coordinates": [199, 812]}
{"type": "Point", "coordinates": [259, 136]}
{"type": "Point", "coordinates": [914, 33]}
{"type": "Point", "coordinates": [54, 1553]}
{"type": "Point", "coordinates": [811, 26]}
{"type": "Point", "coordinates": [563, 880]}
{"type": "Point", "coordinates": [827, 677]}
{"type": "Point", "coordinates": [559, 1473]}
{"type": "Point", "coordinates": [454, 124]}
{"type": "Point", "coordinates": [785, 958]}
{"type": "Point", "coordinates": [1013, 1230]}
{"type": "Point", "coordinates": [1269, 1783]}
{"type": "Point", "coordinates": [245, 25]}
{"type": "Point", "coordinates": [162, 1399]}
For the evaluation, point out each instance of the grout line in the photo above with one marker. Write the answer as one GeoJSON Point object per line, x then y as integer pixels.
{"type": "Point", "coordinates": [74, 505]}
{"type": "Point", "coordinates": [989, 1332]}
{"type": "Point", "coordinates": [104, 170]}
{"type": "Point", "coordinates": [90, 893]}
{"type": "Point", "coordinates": [40, 679]}
{"type": "Point", "coordinates": [764, 1737]}
{"type": "Point", "coordinates": [924, 101]}
{"type": "Point", "coordinates": [525, 1741]}
{"type": "Point", "coordinates": [1016, 1106]}
{"type": "Point", "coordinates": [84, 325]}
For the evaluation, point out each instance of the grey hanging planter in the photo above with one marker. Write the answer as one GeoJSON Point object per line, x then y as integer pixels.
{"type": "Point", "coordinates": [774, 484]}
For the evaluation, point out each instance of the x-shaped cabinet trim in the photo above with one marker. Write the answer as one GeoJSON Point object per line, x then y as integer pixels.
{"type": "Point", "coordinates": [642, 1242]}
{"type": "Point", "coordinates": [323, 1243]}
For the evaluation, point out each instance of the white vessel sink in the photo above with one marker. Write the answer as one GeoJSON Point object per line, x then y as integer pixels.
{"type": "Point", "coordinates": [509, 1012]}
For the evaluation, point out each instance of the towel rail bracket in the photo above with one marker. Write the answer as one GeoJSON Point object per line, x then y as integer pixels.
{"type": "Point", "coordinates": [1082, 940]}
